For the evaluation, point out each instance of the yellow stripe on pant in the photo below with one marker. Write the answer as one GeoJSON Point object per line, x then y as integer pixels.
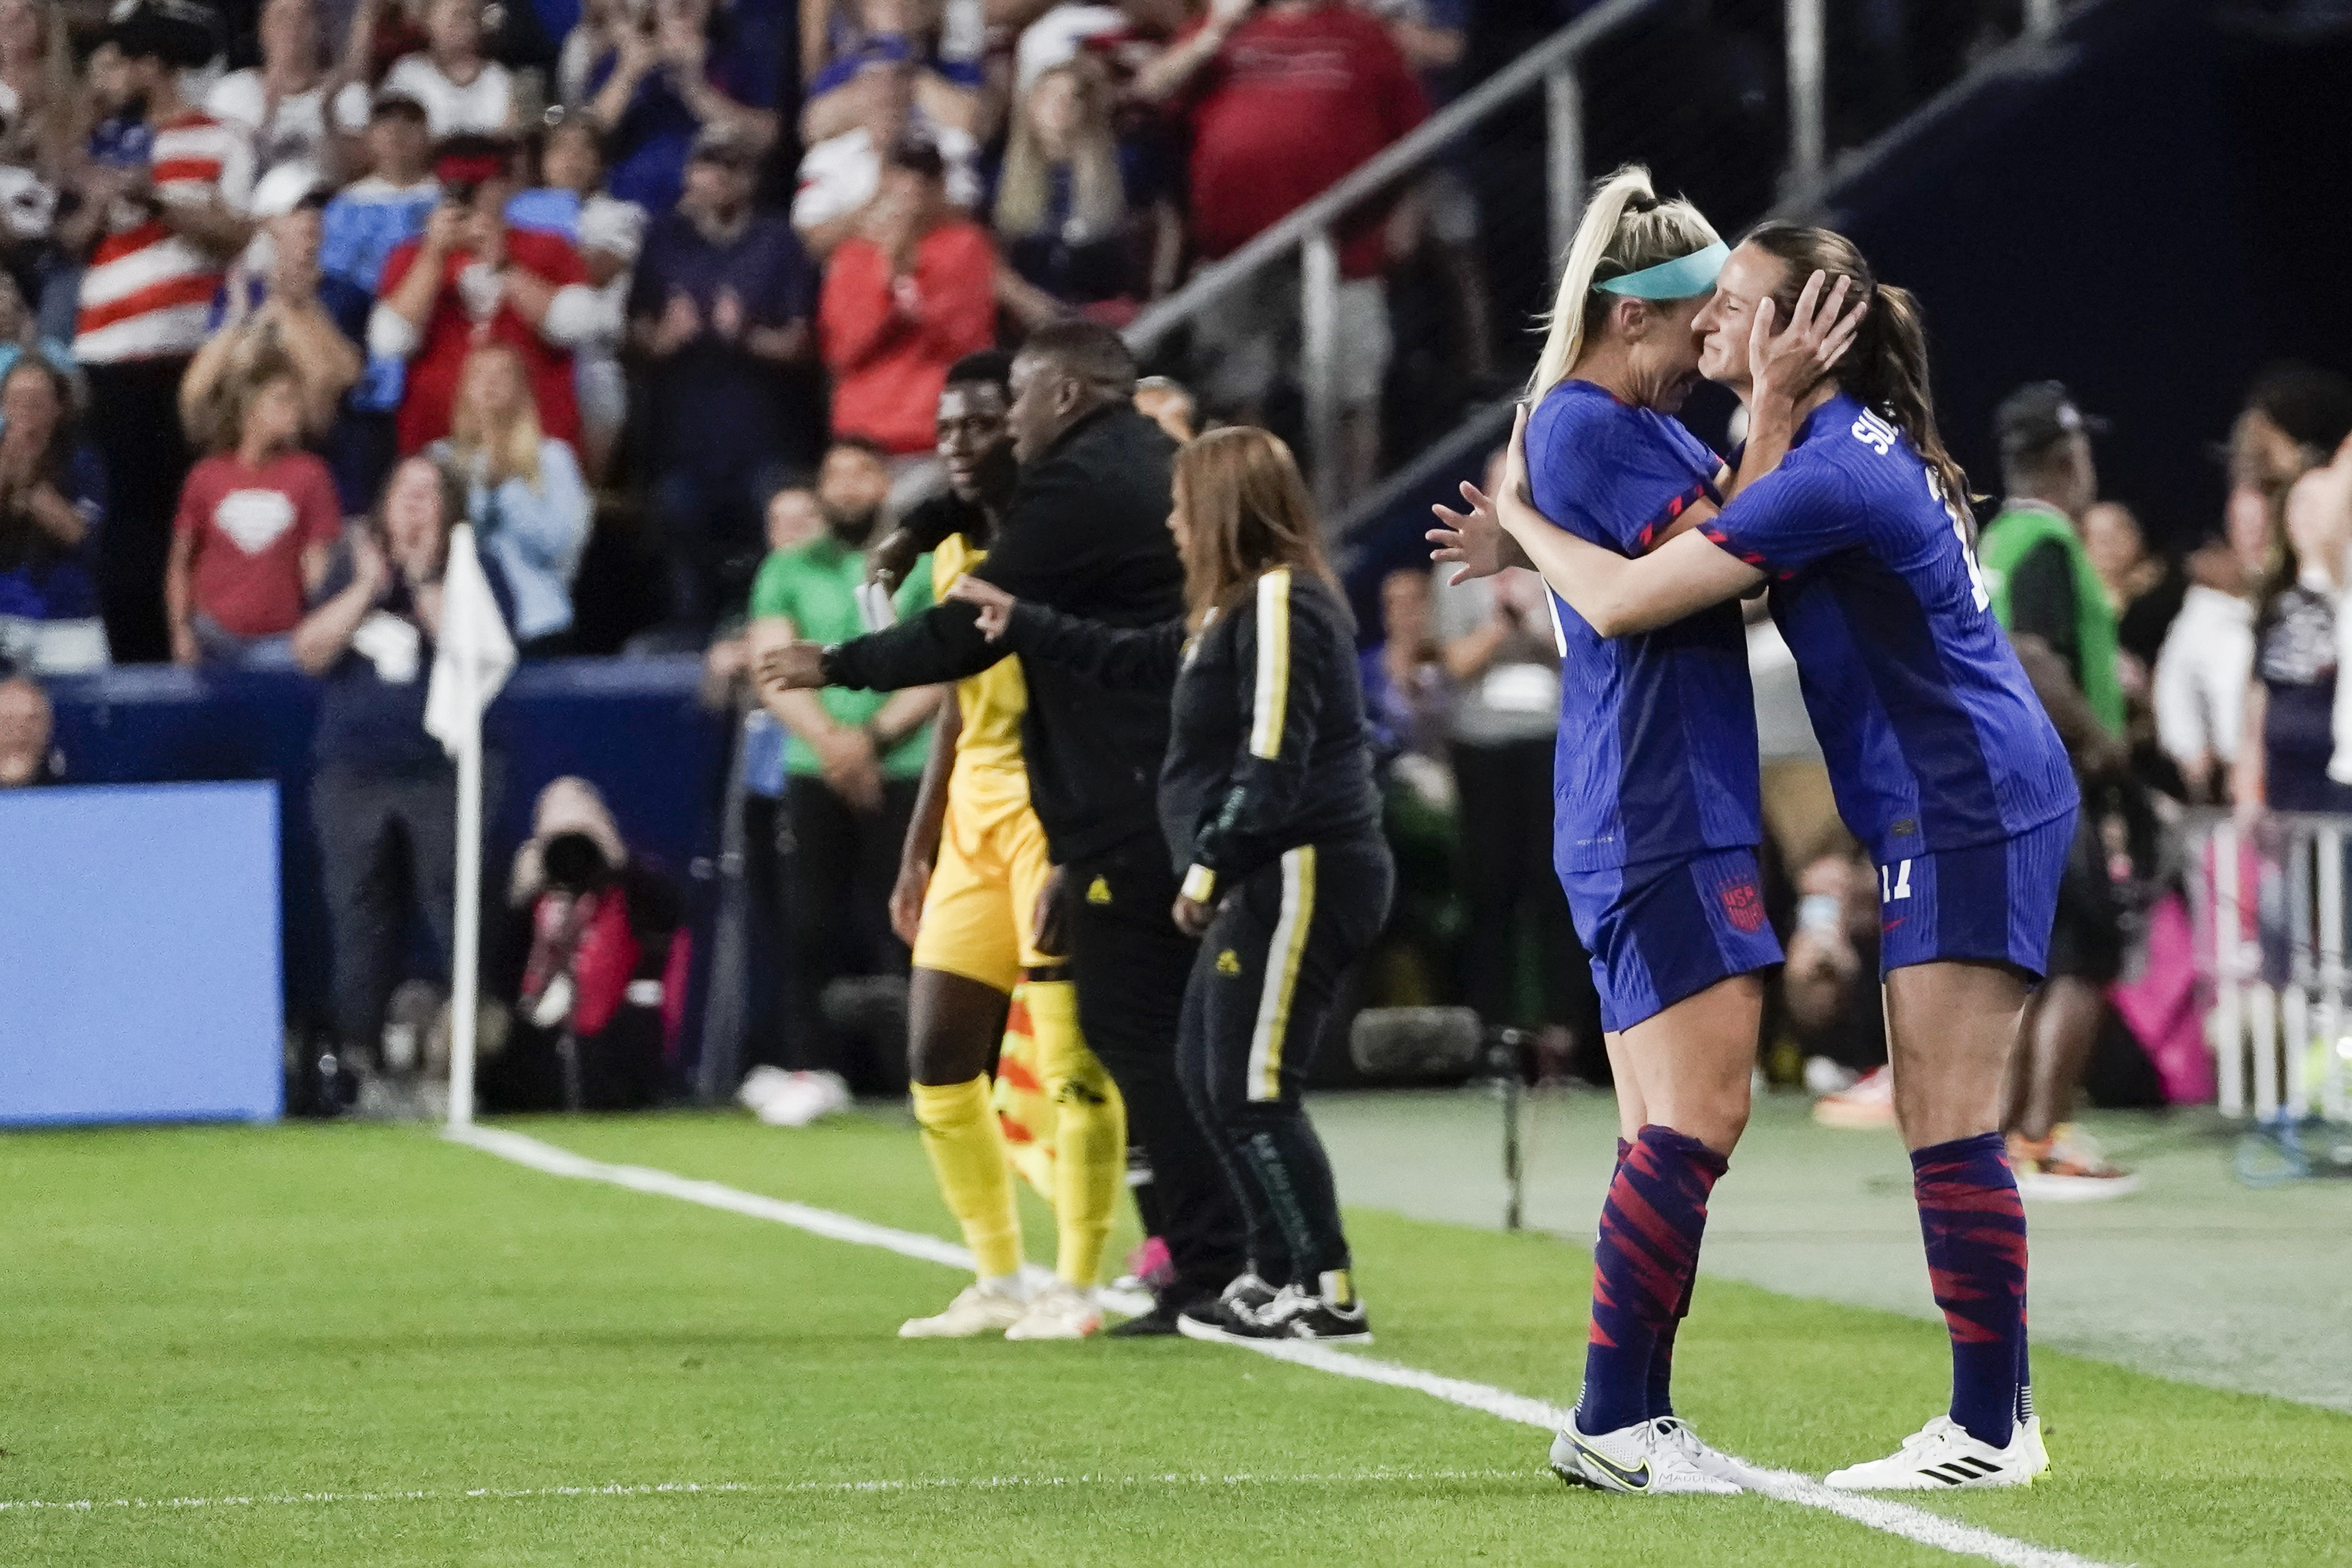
{"type": "Point", "coordinates": [1282, 954]}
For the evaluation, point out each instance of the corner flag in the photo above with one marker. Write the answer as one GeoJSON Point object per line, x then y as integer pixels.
{"type": "Point", "coordinates": [471, 660]}
{"type": "Point", "coordinates": [473, 655]}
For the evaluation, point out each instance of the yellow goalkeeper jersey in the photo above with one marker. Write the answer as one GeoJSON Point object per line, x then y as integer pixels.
{"type": "Point", "coordinates": [989, 759]}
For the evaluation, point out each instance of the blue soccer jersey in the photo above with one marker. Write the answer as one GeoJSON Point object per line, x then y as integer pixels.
{"type": "Point", "coordinates": [1657, 732]}
{"type": "Point", "coordinates": [1934, 739]}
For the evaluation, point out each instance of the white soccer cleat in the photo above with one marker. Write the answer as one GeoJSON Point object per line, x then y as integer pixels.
{"type": "Point", "coordinates": [977, 1310]}
{"type": "Point", "coordinates": [1710, 1461]}
{"type": "Point", "coordinates": [1060, 1311]}
{"type": "Point", "coordinates": [799, 1098]}
{"type": "Point", "coordinates": [1640, 1459]}
{"type": "Point", "coordinates": [1942, 1456]}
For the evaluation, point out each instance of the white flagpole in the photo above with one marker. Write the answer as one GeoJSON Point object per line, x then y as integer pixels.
{"type": "Point", "coordinates": [470, 663]}
{"type": "Point", "coordinates": [465, 964]}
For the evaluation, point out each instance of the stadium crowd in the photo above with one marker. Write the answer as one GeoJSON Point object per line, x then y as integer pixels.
{"type": "Point", "coordinates": [286, 288]}
{"type": "Point", "coordinates": [622, 262]}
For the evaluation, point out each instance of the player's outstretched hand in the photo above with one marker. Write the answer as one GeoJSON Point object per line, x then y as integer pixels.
{"type": "Point", "coordinates": [995, 606]}
{"type": "Point", "coordinates": [795, 667]}
{"type": "Point", "coordinates": [1475, 539]}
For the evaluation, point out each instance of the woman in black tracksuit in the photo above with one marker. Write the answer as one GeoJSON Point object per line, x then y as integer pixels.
{"type": "Point", "coordinates": [1267, 804]}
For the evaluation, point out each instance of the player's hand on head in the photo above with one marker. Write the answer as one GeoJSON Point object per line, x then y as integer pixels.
{"type": "Point", "coordinates": [1790, 363]}
{"type": "Point", "coordinates": [995, 606]}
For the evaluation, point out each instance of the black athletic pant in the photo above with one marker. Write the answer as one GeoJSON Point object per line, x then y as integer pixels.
{"type": "Point", "coordinates": [386, 845]}
{"type": "Point", "coordinates": [839, 866]}
{"type": "Point", "coordinates": [1129, 964]}
{"type": "Point", "coordinates": [134, 423]}
{"type": "Point", "coordinates": [1260, 994]}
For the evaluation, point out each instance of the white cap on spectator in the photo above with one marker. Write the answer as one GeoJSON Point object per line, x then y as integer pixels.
{"type": "Point", "coordinates": [1058, 36]}
{"type": "Point", "coordinates": [285, 188]}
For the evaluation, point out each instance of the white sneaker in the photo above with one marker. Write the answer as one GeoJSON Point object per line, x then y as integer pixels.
{"type": "Point", "coordinates": [759, 1086]}
{"type": "Point", "coordinates": [1941, 1457]}
{"type": "Point", "coordinates": [802, 1098]}
{"type": "Point", "coordinates": [1060, 1311]}
{"type": "Point", "coordinates": [1638, 1460]}
{"type": "Point", "coordinates": [1868, 1103]}
{"type": "Point", "coordinates": [977, 1310]}
{"type": "Point", "coordinates": [1712, 1461]}
{"type": "Point", "coordinates": [2068, 1166]}
{"type": "Point", "coordinates": [2032, 1433]}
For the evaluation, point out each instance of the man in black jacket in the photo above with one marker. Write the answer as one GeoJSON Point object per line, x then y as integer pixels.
{"type": "Point", "coordinates": [1086, 534]}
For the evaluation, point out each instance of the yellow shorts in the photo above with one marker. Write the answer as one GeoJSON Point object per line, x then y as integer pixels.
{"type": "Point", "coordinates": [979, 914]}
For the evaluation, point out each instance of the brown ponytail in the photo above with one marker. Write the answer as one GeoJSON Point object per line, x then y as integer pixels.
{"type": "Point", "coordinates": [1886, 369]}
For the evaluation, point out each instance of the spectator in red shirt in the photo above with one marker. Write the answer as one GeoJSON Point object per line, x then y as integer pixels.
{"type": "Point", "coordinates": [254, 528]}
{"type": "Point", "coordinates": [471, 280]}
{"type": "Point", "coordinates": [906, 297]}
{"type": "Point", "coordinates": [1285, 100]}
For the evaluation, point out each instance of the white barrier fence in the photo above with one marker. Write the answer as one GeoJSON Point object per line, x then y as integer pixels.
{"type": "Point", "coordinates": [2268, 903]}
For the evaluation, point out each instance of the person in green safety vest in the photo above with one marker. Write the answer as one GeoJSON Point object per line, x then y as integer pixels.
{"type": "Point", "coordinates": [2041, 580]}
{"type": "Point", "coordinates": [2046, 592]}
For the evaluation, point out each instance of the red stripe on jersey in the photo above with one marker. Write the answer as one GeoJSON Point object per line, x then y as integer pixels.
{"type": "Point", "coordinates": [196, 290]}
{"type": "Point", "coordinates": [115, 247]}
{"type": "Point", "coordinates": [202, 170]}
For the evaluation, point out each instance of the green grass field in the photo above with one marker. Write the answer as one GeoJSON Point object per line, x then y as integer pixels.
{"type": "Point", "coordinates": [450, 1353]}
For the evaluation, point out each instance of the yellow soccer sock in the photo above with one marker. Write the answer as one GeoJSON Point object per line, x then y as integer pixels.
{"type": "Point", "coordinates": [967, 1150]}
{"type": "Point", "coordinates": [1089, 1133]}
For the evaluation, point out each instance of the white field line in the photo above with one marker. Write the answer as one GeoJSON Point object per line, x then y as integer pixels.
{"type": "Point", "coordinates": [1917, 1524]}
{"type": "Point", "coordinates": [822, 1222]}
{"type": "Point", "coordinates": [762, 1488]}
{"type": "Point", "coordinates": [1895, 1519]}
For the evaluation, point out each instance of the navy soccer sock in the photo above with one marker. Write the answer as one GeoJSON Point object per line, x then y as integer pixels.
{"type": "Point", "coordinates": [1974, 1226]}
{"type": "Point", "coordinates": [1641, 1265]}
{"type": "Point", "coordinates": [1662, 1354]}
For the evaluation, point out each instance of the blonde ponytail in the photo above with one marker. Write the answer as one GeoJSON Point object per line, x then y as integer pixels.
{"type": "Point", "coordinates": [1625, 228]}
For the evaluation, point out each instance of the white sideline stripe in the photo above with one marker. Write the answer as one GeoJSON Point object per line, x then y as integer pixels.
{"type": "Point", "coordinates": [824, 1222]}
{"type": "Point", "coordinates": [1916, 1524]}
{"type": "Point", "coordinates": [770, 1489]}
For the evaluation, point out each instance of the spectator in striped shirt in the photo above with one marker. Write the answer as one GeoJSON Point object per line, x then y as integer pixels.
{"type": "Point", "coordinates": [165, 232]}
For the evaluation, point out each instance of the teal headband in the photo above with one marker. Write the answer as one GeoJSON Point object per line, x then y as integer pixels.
{"type": "Point", "coordinates": [1680, 278]}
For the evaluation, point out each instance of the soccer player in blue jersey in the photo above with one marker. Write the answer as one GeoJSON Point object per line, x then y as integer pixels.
{"type": "Point", "coordinates": [1656, 814]}
{"type": "Point", "coordinates": [1943, 762]}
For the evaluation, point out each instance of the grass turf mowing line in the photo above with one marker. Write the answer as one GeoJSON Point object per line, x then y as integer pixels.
{"type": "Point", "coordinates": [1894, 1518]}
{"type": "Point", "coordinates": [724, 1489]}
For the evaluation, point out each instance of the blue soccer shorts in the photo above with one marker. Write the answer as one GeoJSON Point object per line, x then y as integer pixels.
{"type": "Point", "coordinates": [1990, 904]}
{"type": "Point", "coordinates": [1666, 929]}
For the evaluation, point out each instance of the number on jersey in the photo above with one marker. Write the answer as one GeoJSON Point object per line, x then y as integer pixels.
{"type": "Point", "coordinates": [1879, 435]}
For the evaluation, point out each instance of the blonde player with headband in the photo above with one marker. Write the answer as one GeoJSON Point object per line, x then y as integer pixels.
{"type": "Point", "coordinates": [1658, 811]}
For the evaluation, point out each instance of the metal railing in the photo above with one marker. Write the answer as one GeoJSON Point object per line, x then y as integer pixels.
{"type": "Point", "coordinates": [1307, 238]}
{"type": "Point", "coordinates": [2269, 913]}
